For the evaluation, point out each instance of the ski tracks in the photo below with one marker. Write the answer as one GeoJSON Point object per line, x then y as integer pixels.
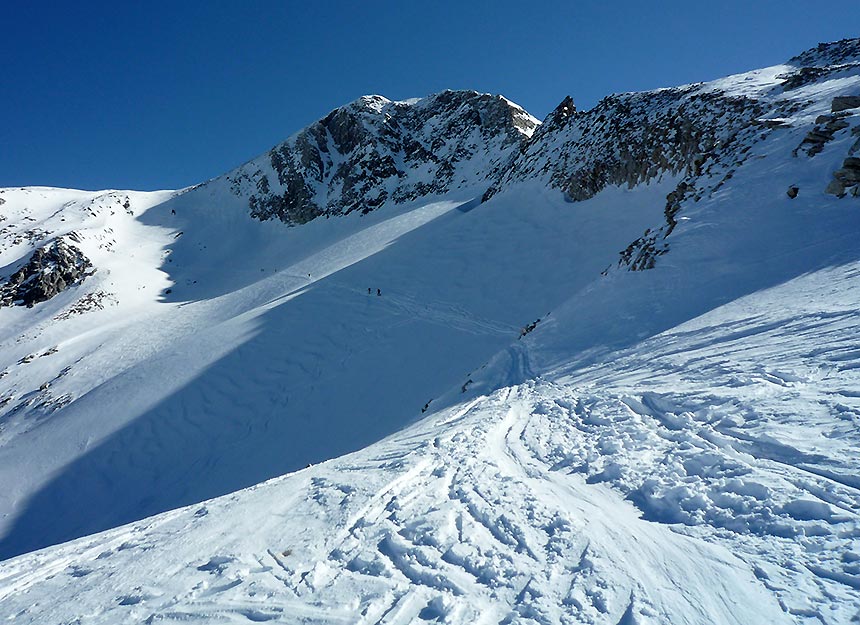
{"type": "Point", "coordinates": [515, 508]}
{"type": "Point", "coordinates": [481, 529]}
{"type": "Point", "coordinates": [438, 312]}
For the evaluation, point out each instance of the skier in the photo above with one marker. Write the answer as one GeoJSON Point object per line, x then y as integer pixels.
{"type": "Point", "coordinates": [368, 290]}
{"type": "Point", "coordinates": [378, 292]}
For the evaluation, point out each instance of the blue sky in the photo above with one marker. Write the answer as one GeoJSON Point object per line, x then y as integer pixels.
{"type": "Point", "coordinates": [148, 95]}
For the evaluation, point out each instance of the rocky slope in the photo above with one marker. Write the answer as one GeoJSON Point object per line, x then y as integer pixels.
{"type": "Point", "coordinates": [52, 268]}
{"type": "Point", "coordinates": [699, 134]}
{"type": "Point", "coordinates": [374, 150]}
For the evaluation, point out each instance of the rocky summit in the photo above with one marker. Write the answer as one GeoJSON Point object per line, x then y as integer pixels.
{"type": "Point", "coordinates": [374, 150]}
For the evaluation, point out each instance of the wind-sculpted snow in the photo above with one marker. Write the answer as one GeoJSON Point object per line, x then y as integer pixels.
{"type": "Point", "coordinates": [682, 481]}
{"type": "Point", "coordinates": [256, 349]}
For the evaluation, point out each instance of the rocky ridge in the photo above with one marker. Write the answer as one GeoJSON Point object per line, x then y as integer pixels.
{"type": "Point", "coordinates": [700, 133]}
{"type": "Point", "coordinates": [374, 150]}
{"type": "Point", "coordinates": [692, 132]}
{"type": "Point", "coordinates": [50, 270]}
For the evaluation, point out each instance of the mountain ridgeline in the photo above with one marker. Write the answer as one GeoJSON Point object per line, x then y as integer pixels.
{"type": "Point", "coordinates": [439, 361]}
{"type": "Point", "coordinates": [375, 151]}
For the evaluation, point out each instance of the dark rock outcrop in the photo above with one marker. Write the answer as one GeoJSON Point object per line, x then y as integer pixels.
{"type": "Point", "coordinates": [826, 126]}
{"type": "Point", "coordinates": [846, 179]}
{"type": "Point", "coordinates": [634, 138]}
{"type": "Point", "coordinates": [559, 116]}
{"type": "Point", "coordinates": [642, 253]}
{"type": "Point", "coordinates": [373, 151]}
{"type": "Point", "coordinates": [844, 102]}
{"type": "Point", "coordinates": [50, 270]}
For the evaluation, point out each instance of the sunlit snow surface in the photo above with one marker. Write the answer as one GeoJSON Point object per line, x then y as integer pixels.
{"type": "Point", "coordinates": [512, 506]}
{"type": "Point", "coordinates": [673, 446]}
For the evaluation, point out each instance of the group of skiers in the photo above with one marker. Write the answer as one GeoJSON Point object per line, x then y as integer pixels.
{"type": "Point", "coordinates": [370, 291]}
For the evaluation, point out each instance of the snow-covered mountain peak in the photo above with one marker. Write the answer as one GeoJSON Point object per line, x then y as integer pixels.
{"type": "Point", "coordinates": [373, 103]}
{"type": "Point", "coordinates": [375, 150]}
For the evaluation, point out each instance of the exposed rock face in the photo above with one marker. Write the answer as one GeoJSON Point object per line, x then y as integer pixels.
{"type": "Point", "coordinates": [375, 150]}
{"type": "Point", "coordinates": [560, 115]}
{"type": "Point", "coordinates": [642, 253]}
{"type": "Point", "coordinates": [695, 132]}
{"type": "Point", "coordinates": [633, 138]}
{"type": "Point", "coordinates": [844, 102]}
{"type": "Point", "coordinates": [50, 270]}
{"type": "Point", "coordinates": [826, 126]}
{"type": "Point", "coordinates": [846, 179]}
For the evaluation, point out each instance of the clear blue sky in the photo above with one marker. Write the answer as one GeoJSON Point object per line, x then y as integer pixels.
{"type": "Point", "coordinates": [148, 95]}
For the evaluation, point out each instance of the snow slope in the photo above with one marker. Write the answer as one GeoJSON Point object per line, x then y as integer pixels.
{"type": "Point", "coordinates": [527, 505]}
{"type": "Point", "coordinates": [677, 445]}
{"type": "Point", "coordinates": [235, 376]}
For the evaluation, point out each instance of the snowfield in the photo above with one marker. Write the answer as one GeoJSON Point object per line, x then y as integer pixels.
{"type": "Point", "coordinates": [628, 490]}
{"type": "Point", "coordinates": [225, 423]}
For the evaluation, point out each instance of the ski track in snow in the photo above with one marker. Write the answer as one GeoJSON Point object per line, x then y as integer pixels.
{"type": "Point", "coordinates": [237, 370]}
{"type": "Point", "coordinates": [480, 524]}
{"type": "Point", "coordinates": [527, 506]}
{"type": "Point", "coordinates": [626, 492]}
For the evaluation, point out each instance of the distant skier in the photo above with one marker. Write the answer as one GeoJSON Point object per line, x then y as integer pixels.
{"type": "Point", "coordinates": [368, 290]}
{"type": "Point", "coordinates": [378, 292]}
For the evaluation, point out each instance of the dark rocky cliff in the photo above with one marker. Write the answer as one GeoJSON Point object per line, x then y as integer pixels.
{"type": "Point", "coordinates": [374, 150]}
{"type": "Point", "coordinates": [51, 269]}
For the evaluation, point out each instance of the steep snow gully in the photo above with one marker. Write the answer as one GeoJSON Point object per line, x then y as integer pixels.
{"type": "Point", "coordinates": [221, 421]}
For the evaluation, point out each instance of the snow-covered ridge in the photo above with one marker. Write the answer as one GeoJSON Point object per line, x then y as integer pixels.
{"type": "Point", "coordinates": [374, 150]}
{"type": "Point", "coordinates": [698, 133]}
